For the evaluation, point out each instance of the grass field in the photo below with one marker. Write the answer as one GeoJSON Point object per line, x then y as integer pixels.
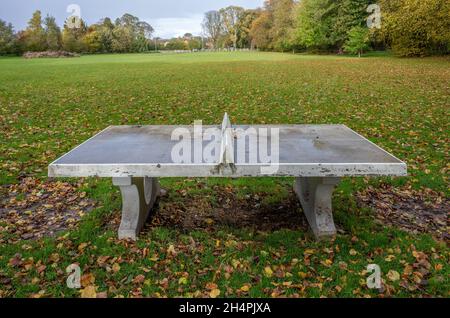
{"type": "Point", "coordinates": [49, 106]}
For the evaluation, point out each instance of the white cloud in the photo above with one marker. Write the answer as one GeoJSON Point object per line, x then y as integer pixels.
{"type": "Point", "coordinates": [173, 27]}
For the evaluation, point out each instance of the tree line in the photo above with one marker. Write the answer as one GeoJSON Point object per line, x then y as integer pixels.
{"type": "Point", "coordinates": [125, 34]}
{"type": "Point", "coordinates": [408, 27]}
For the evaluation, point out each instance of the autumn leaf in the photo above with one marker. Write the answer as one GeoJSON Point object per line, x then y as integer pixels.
{"type": "Point", "coordinates": [214, 293]}
{"type": "Point", "coordinates": [302, 275]}
{"type": "Point", "coordinates": [211, 286]}
{"type": "Point", "coordinates": [309, 252]}
{"type": "Point", "coordinates": [82, 246]}
{"type": "Point", "coordinates": [245, 288]}
{"type": "Point", "coordinates": [171, 250]}
{"type": "Point", "coordinates": [268, 271]}
{"type": "Point", "coordinates": [102, 295]}
{"type": "Point", "coordinates": [393, 275]}
{"type": "Point", "coordinates": [139, 279]}
{"type": "Point", "coordinates": [89, 292]}
{"type": "Point", "coordinates": [87, 280]}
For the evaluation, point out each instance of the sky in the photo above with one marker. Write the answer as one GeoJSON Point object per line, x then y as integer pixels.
{"type": "Point", "coordinates": [169, 18]}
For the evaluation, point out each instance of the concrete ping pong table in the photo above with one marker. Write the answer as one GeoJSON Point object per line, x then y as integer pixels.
{"type": "Point", "coordinates": [317, 156]}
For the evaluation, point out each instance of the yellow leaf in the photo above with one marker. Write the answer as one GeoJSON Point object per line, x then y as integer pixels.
{"type": "Point", "coordinates": [82, 246]}
{"type": "Point", "coordinates": [268, 271]}
{"type": "Point", "coordinates": [309, 251]}
{"type": "Point", "coordinates": [171, 250]}
{"type": "Point", "coordinates": [327, 262]}
{"type": "Point", "coordinates": [209, 221]}
{"type": "Point", "coordinates": [353, 252]}
{"type": "Point", "coordinates": [245, 288]}
{"type": "Point", "coordinates": [302, 275]}
{"type": "Point", "coordinates": [87, 280]}
{"type": "Point", "coordinates": [89, 292]}
{"type": "Point", "coordinates": [214, 293]}
{"type": "Point", "coordinates": [182, 281]}
{"type": "Point", "coordinates": [116, 267]}
{"type": "Point", "coordinates": [393, 275]}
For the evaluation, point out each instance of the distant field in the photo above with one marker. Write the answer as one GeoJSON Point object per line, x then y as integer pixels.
{"type": "Point", "coordinates": [48, 106]}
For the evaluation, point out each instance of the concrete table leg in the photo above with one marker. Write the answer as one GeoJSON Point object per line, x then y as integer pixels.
{"type": "Point", "coordinates": [315, 195]}
{"type": "Point", "coordinates": [138, 197]}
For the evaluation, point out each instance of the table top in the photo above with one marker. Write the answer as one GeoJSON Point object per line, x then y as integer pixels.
{"type": "Point", "coordinates": [304, 150]}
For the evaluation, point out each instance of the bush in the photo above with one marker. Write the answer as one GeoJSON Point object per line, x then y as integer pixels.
{"type": "Point", "coordinates": [51, 54]}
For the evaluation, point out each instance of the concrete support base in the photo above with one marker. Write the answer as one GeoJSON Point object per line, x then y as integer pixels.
{"type": "Point", "coordinates": [138, 197]}
{"type": "Point", "coordinates": [315, 195]}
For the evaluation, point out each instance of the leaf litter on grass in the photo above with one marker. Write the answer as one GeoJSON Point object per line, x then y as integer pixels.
{"type": "Point", "coordinates": [34, 209]}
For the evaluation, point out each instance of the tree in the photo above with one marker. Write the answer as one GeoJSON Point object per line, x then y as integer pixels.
{"type": "Point", "coordinates": [52, 33]}
{"type": "Point", "coordinates": [34, 35]}
{"type": "Point", "coordinates": [131, 35]}
{"type": "Point", "coordinates": [349, 14]}
{"type": "Point", "coordinates": [72, 38]}
{"type": "Point", "coordinates": [176, 44]}
{"type": "Point", "coordinates": [105, 31]}
{"type": "Point", "coordinates": [358, 40]}
{"type": "Point", "coordinates": [283, 23]}
{"type": "Point", "coordinates": [212, 26]}
{"type": "Point", "coordinates": [7, 38]}
{"type": "Point", "coordinates": [260, 31]}
{"type": "Point", "coordinates": [194, 42]}
{"type": "Point", "coordinates": [245, 26]}
{"type": "Point", "coordinates": [231, 17]}
{"type": "Point", "coordinates": [273, 28]}
{"type": "Point", "coordinates": [314, 23]}
{"type": "Point", "coordinates": [92, 39]}
{"type": "Point", "coordinates": [123, 39]}
{"type": "Point", "coordinates": [416, 27]}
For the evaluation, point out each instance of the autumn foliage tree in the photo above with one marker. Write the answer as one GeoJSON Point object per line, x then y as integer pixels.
{"type": "Point", "coordinates": [416, 27]}
{"type": "Point", "coordinates": [34, 36]}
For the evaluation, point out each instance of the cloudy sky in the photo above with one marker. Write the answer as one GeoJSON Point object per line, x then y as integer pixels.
{"type": "Point", "coordinates": [168, 17]}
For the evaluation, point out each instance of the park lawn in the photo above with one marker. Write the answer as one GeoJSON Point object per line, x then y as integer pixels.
{"type": "Point", "coordinates": [49, 106]}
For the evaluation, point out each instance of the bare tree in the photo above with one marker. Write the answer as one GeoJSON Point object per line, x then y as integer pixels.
{"type": "Point", "coordinates": [212, 26]}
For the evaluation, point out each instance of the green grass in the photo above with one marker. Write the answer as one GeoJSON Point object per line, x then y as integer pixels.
{"type": "Point", "coordinates": [48, 106]}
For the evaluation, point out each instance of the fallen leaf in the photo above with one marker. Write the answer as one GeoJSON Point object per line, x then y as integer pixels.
{"type": "Point", "coordinates": [116, 267]}
{"type": "Point", "coordinates": [268, 271]}
{"type": "Point", "coordinates": [211, 286]}
{"type": "Point", "coordinates": [214, 293]}
{"type": "Point", "coordinates": [245, 288]}
{"type": "Point", "coordinates": [87, 280]}
{"type": "Point", "coordinates": [88, 292]}
{"type": "Point", "coordinates": [393, 275]}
